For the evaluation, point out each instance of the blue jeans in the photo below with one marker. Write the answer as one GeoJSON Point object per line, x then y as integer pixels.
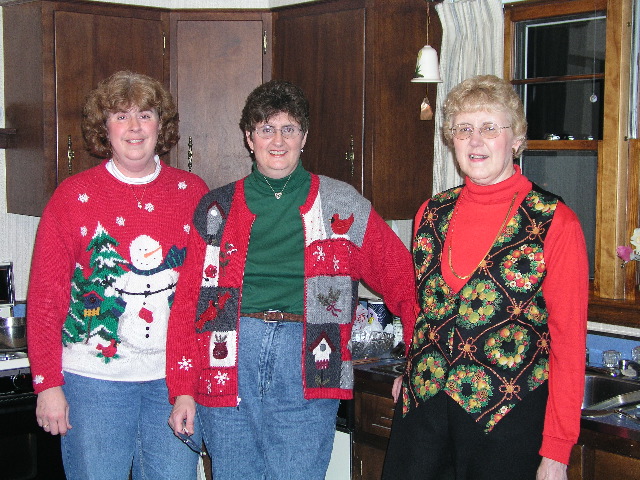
{"type": "Point", "coordinates": [120, 427]}
{"type": "Point", "coordinates": [274, 433]}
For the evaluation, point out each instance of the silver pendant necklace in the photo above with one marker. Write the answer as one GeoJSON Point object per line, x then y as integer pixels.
{"type": "Point", "coordinates": [278, 195]}
{"type": "Point", "coordinates": [139, 200]}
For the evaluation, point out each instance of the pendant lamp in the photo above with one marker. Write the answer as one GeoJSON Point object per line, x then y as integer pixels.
{"type": "Point", "coordinates": [427, 71]}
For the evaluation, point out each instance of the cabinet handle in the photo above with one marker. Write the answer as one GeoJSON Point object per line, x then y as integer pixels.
{"type": "Point", "coordinates": [350, 156]}
{"type": "Point", "coordinates": [70, 155]}
{"type": "Point", "coordinates": [190, 154]}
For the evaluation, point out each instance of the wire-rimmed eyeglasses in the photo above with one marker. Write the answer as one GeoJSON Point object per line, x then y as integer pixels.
{"type": "Point", "coordinates": [188, 441]}
{"type": "Point", "coordinates": [288, 131]}
{"type": "Point", "coordinates": [462, 131]}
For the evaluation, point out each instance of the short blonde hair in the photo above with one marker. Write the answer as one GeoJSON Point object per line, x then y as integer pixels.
{"type": "Point", "coordinates": [490, 93]}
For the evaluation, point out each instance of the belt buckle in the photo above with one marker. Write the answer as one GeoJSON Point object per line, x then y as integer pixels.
{"type": "Point", "coordinates": [268, 312]}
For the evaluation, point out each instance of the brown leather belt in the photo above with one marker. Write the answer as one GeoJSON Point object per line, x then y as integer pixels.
{"type": "Point", "coordinates": [275, 316]}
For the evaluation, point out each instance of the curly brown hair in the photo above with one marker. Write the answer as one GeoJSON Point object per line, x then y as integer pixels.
{"type": "Point", "coordinates": [272, 98]}
{"type": "Point", "coordinates": [120, 92]}
{"type": "Point", "coordinates": [485, 92]}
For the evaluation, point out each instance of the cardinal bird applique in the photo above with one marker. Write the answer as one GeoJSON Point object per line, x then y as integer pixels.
{"type": "Point", "coordinates": [341, 226]}
{"type": "Point", "coordinates": [212, 310]}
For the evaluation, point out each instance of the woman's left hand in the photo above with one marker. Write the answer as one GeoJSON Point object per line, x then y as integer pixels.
{"type": "Point", "coordinates": [182, 415]}
{"type": "Point", "coordinates": [551, 470]}
{"type": "Point", "coordinates": [396, 390]}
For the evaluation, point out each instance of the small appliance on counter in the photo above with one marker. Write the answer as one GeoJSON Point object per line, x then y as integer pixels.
{"type": "Point", "coordinates": [7, 291]}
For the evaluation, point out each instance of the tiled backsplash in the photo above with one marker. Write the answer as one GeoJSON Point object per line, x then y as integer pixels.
{"type": "Point", "coordinates": [610, 337]}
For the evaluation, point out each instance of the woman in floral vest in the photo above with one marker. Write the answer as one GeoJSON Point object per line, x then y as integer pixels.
{"type": "Point", "coordinates": [495, 373]}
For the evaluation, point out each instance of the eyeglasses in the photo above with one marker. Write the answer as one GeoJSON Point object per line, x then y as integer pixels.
{"type": "Point", "coordinates": [186, 439]}
{"type": "Point", "coordinates": [462, 131]}
{"type": "Point", "coordinates": [288, 131]}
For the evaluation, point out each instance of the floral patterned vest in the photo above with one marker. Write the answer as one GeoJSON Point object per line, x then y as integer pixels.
{"type": "Point", "coordinates": [486, 346]}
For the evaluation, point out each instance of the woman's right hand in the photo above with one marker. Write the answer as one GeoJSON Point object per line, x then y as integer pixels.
{"type": "Point", "coordinates": [52, 411]}
{"type": "Point", "coordinates": [181, 419]}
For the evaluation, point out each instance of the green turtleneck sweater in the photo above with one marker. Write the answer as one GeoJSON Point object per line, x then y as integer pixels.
{"type": "Point", "coordinates": [274, 273]}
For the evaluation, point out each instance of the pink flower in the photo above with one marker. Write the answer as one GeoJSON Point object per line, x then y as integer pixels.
{"type": "Point", "coordinates": [624, 253]}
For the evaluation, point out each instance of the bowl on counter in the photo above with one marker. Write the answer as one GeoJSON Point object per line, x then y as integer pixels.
{"type": "Point", "coordinates": [13, 333]}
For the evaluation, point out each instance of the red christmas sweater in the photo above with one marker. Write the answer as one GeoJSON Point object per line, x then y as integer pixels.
{"type": "Point", "coordinates": [105, 265]}
{"type": "Point", "coordinates": [566, 291]}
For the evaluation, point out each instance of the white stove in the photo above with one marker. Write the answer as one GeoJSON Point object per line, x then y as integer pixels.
{"type": "Point", "coordinates": [13, 361]}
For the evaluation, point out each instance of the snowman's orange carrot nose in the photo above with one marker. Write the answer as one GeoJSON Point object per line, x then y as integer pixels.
{"type": "Point", "coordinates": [148, 254]}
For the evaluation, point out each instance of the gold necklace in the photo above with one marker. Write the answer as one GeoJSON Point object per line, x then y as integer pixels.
{"type": "Point", "coordinates": [139, 200]}
{"type": "Point", "coordinates": [450, 232]}
{"type": "Point", "coordinates": [278, 195]}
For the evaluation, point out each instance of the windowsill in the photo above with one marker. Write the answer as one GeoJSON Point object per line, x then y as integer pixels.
{"type": "Point", "coordinates": [562, 144]}
{"type": "Point", "coordinates": [614, 312]}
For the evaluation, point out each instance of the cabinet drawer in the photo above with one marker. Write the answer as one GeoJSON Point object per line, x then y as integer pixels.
{"type": "Point", "coordinates": [376, 414]}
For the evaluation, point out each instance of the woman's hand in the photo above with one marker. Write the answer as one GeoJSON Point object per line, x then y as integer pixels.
{"type": "Point", "coordinates": [551, 470]}
{"type": "Point", "coordinates": [181, 419]}
{"type": "Point", "coordinates": [52, 411]}
{"type": "Point", "coordinates": [396, 390]}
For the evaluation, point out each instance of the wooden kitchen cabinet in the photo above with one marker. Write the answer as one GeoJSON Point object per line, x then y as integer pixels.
{"type": "Point", "coordinates": [217, 59]}
{"type": "Point", "coordinates": [354, 59]}
{"type": "Point", "coordinates": [374, 414]}
{"type": "Point", "coordinates": [600, 455]}
{"type": "Point", "coordinates": [55, 53]}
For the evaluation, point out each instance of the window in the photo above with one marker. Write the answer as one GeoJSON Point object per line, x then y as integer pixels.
{"type": "Point", "coordinates": [559, 73]}
{"type": "Point", "coordinates": [558, 53]}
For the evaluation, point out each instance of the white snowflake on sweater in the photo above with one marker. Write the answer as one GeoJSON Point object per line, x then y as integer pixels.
{"type": "Point", "coordinates": [222, 378]}
{"type": "Point", "coordinates": [38, 379]}
{"type": "Point", "coordinates": [319, 253]}
{"type": "Point", "coordinates": [185, 364]}
{"type": "Point", "coordinates": [120, 221]}
{"type": "Point", "coordinates": [83, 197]}
{"type": "Point", "coordinates": [83, 231]}
{"type": "Point", "coordinates": [186, 228]}
{"type": "Point", "coordinates": [149, 207]}
{"type": "Point", "coordinates": [182, 185]}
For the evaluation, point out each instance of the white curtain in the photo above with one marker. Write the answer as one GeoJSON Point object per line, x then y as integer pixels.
{"type": "Point", "coordinates": [472, 44]}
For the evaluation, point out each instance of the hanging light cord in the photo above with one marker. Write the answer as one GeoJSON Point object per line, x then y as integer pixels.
{"type": "Point", "coordinates": [594, 98]}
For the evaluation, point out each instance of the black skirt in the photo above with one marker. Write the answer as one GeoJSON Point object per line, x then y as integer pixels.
{"type": "Point", "coordinates": [440, 441]}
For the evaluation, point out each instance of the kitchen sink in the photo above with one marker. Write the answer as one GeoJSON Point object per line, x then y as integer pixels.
{"type": "Point", "coordinates": [598, 388]}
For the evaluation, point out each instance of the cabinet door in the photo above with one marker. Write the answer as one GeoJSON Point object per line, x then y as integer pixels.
{"type": "Point", "coordinates": [323, 53]}
{"type": "Point", "coordinates": [89, 48]}
{"type": "Point", "coordinates": [219, 62]}
{"type": "Point", "coordinates": [610, 465]}
{"type": "Point", "coordinates": [367, 462]}
{"type": "Point", "coordinates": [55, 53]}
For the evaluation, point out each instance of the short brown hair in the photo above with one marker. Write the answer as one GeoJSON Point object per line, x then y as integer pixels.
{"type": "Point", "coordinates": [485, 92]}
{"type": "Point", "coordinates": [120, 92]}
{"type": "Point", "coordinates": [272, 98]}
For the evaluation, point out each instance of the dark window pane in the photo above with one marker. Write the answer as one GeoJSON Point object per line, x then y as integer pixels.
{"type": "Point", "coordinates": [564, 109]}
{"type": "Point", "coordinates": [561, 47]}
{"type": "Point", "coordinates": [572, 175]}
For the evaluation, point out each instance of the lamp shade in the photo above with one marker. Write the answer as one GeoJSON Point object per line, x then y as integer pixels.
{"type": "Point", "coordinates": [427, 70]}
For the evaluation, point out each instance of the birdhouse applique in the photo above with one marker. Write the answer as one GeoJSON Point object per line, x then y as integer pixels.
{"type": "Point", "coordinates": [92, 302]}
{"type": "Point", "coordinates": [321, 349]}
